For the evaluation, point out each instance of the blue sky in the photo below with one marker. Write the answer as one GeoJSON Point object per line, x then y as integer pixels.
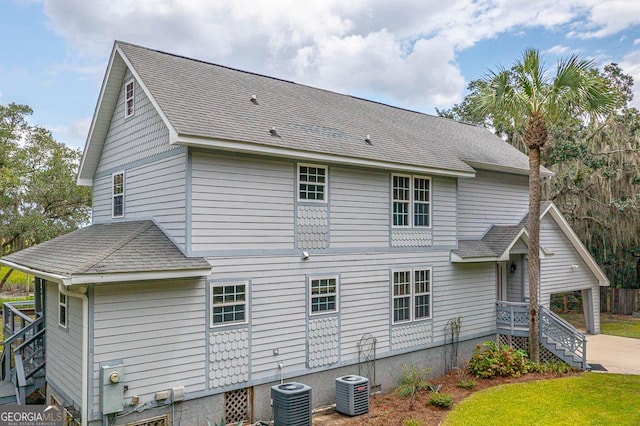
{"type": "Point", "coordinates": [416, 54]}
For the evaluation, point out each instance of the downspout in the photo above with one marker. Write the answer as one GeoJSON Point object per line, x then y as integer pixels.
{"type": "Point", "coordinates": [81, 294]}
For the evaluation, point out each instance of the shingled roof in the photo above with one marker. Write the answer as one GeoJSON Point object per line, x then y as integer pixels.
{"type": "Point", "coordinates": [209, 105]}
{"type": "Point", "coordinates": [106, 253]}
{"type": "Point", "coordinates": [494, 245]}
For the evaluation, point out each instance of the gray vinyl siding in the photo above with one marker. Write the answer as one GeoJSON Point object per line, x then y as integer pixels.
{"type": "Point", "coordinates": [241, 203]}
{"type": "Point", "coordinates": [137, 137]}
{"type": "Point", "coordinates": [101, 199]}
{"type": "Point", "coordinates": [152, 190]}
{"type": "Point", "coordinates": [444, 211]}
{"type": "Point", "coordinates": [488, 199]}
{"type": "Point", "coordinates": [278, 301]}
{"type": "Point", "coordinates": [556, 274]}
{"type": "Point", "coordinates": [360, 208]}
{"type": "Point", "coordinates": [157, 329]}
{"type": "Point", "coordinates": [64, 346]}
{"type": "Point", "coordinates": [157, 190]}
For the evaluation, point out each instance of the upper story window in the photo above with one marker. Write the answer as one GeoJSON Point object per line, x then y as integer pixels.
{"type": "Point", "coordinates": [411, 198]}
{"type": "Point", "coordinates": [312, 183]}
{"type": "Point", "coordinates": [117, 193]}
{"type": "Point", "coordinates": [228, 303]}
{"type": "Point", "coordinates": [62, 309]}
{"type": "Point", "coordinates": [324, 295]}
{"type": "Point", "coordinates": [411, 295]}
{"type": "Point", "coordinates": [129, 99]}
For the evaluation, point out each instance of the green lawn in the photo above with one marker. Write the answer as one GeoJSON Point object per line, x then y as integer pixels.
{"type": "Point", "coordinates": [613, 325]}
{"type": "Point", "coordinates": [588, 399]}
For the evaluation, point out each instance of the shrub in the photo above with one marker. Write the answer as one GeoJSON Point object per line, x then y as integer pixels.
{"type": "Point", "coordinates": [413, 381]}
{"type": "Point", "coordinates": [443, 400]}
{"type": "Point", "coordinates": [556, 367]}
{"type": "Point", "coordinates": [467, 384]}
{"type": "Point", "coordinates": [489, 360]}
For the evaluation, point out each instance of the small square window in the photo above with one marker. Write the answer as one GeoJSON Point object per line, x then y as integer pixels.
{"type": "Point", "coordinates": [228, 303]}
{"type": "Point", "coordinates": [312, 183]}
{"type": "Point", "coordinates": [324, 295]}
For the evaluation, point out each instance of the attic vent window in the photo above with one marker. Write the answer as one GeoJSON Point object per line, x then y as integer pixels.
{"type": "Point", "coordinates": [274, 132]}
{"type": "Point", "coordinates": [129, 99]}
{"type": "Point", "coordinates": [254, 99]}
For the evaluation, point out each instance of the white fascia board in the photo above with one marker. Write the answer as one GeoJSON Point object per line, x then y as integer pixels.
{"type": "Point", "coordinates": [507, 169]}
{"type": "Point", "coordinates": [60, 279]}
{"type": "Point", "coordinates": [577, 244]}
{"type": "Point", "coordinates": [524, 234]}
{"type": "Point", "coordinates": [88, 146]}
{"type": "Point", "coordinates": [251, 148]}
{"type": "Point", "coordinates": [165, 119]}
{"type": "Point", "coordinates": [137, 276]}
{"type": "Point", "coordinates": [457, 259]}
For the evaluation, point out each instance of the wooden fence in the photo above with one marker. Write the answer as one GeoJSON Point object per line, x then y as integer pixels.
{"type": "Point", "coordinates": [623, 301]}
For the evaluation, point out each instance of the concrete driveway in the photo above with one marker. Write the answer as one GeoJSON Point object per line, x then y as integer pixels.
{"type": "Point", "coordinates": [616, 354]}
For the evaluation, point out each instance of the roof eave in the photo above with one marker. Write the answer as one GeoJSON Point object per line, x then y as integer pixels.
{"type": "Point", "coordinates": [115, 277]}
{"type": "Point", "coordinates": [544, 172]}
{"type": "Point", "coordinates": [456, 258]}
{"type": "Point", "coordinates": [603, 281]}
{"type": "Point", "coordinates": [101, 120]}
{"type": "Point", "coordinates": [276, 151]}
{"type": "Point", "coordinates": [49, 276]}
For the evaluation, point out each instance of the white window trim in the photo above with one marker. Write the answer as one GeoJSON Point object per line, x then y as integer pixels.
{"type": "Point", "coordinates": [325, 184]}
{"type": "Point", "coordinates": [311, 296]}
{"type": "Point", "coordinates": [413, 295]}
{"type": "Point", "coordinates": [128, 114]}
{"type": "Point", "coordinates": [114, 195]}
{"type": "Point", "coordinates": [64, 324]}
{"type": "Point", "coordinates": [412, 202]}
{"type": "Point", "coordinates": [246, 303]}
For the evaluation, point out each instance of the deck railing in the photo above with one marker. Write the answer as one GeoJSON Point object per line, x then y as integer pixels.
{"type": "Point", "coordinates": [556, 335]}
{"type": "Point", "coordinates": [23, 356]}
{"type": "Point", "coordinates": [512, 318]}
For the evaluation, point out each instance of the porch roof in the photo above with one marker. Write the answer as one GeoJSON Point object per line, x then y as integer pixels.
{"type": "Point", "coordinates": [109, 252]}
{"type": "Point", "coordinates": [492, 247]}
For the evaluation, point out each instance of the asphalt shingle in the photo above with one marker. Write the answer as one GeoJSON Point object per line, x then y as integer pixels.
{"type": "Point", "coordinates": [205, 100]}
{"type": "Point", "coordinates": [121, 247]}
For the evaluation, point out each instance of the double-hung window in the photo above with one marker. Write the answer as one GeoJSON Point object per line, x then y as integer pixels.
{"type": "Point", "coordinates": [411, 199]}
{"type": "Point", "coordinates": [324, 295]}
{"type": "Point", "coordinates": [312, 183]}
{"type": "Point", "coordinates": [117, 193]}
{"type": "Point", "coordinates": [62, 309]}
{"type": "Point", "coordinates": [411, 295]}
{"type": "Point", "coordinates": [129, 99]}
{"type": "Point", "coordinates": [228, 303]}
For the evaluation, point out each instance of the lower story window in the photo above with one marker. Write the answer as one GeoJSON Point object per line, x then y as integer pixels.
{"type": "Point", "coordinates": [228, 303]}
{"type": "Point", "coordinates": [411, 295]}
{"type": "Point", "coordinates": [324, 295]}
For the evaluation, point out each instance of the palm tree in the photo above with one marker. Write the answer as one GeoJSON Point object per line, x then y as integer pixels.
{"type": "Point", "coordinates": [531, 99]}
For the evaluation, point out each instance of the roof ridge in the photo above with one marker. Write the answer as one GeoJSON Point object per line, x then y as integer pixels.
{"type": "Point", "coordinates": [112, 248]}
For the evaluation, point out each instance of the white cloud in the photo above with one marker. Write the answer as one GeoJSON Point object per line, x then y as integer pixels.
{"type": "Point", "coordinates": [74, 134]}
{"type": "Point", "coordinates": [559, 50]}
{"type": "Point", "coordinates": [609, 17]}
{"type": "Point", "coordinates": [404, 51]}
{"type": "Point", "coordinates": [631, 65]}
